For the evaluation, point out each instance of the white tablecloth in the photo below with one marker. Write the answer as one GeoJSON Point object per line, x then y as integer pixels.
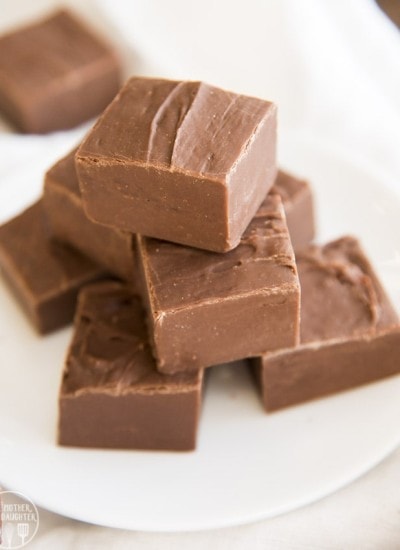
{"type": "Point", "coordinates": [333, 67]}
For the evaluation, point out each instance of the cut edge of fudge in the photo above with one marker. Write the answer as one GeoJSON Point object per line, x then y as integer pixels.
{"type": "Point", "coordinates": [174, 328]}
{"type": "Point", "coordinates": [112, 248]}
{"type": "Point", "coordinates": [289, 186]}
{"type": "Point", "coordinates": [361, 356]}
{"type": "Point", "coordinates": [321, 366]}
{"type": "Point", "coordinates": [47, 308]}
{"type": "Point", "coordinates": [266, 240]}
{"type": "Point", "coordinates": [63, 175]}
{"type": "Point", "coordinates": [298, 201]}
{"type": "Point", "coordinates": [114, 373]}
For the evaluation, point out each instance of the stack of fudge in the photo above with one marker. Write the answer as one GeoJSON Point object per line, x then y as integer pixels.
{"type": "Point", "coordinates": [170, 236]}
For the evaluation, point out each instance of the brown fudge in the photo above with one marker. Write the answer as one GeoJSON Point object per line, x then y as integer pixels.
{"type": "Point", "coordinates": [111, 248]}
{"type": "Point", "coordinates": [349, 330]}
{"type": "Point", "coordinates": [45, 277]}
{"type": "Point", "coordinates": [206, 308]}
{"type": "Point", "coordinates": [55, 74]}
{"type": "Point", "coordinates": [180, 161]}
{"type": "Point", "coordinates": [111, 393]}
{"type": "Point", "coordinates": [298, 203]}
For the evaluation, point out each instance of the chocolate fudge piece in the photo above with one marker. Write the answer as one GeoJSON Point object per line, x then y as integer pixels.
{"type": "Point", "coordinates": [45, 277]}
{"type": "Point", "coordinates": [206, 308]}
{"type": "Point", "coordinates": [298, 203]}
{"type": "Point", "coordinates": [55, 74]}
{"type": "Point", "coordinates": [180, 161]}
{"type": "Point", "coordinates": [111, 248]}
{"type": "Point", "coordinates": [111, 393]}
{"type": "Point", "coordinates": [349, 330]}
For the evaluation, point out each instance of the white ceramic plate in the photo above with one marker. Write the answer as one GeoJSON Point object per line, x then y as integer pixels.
{"type": "Point", "coordinates": [248, 465]}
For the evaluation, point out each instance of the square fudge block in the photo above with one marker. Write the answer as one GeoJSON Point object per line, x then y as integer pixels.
{"type": "Point", "coordinates": [111, 394]}
{"type": "Point", "coordinates": [45, 277]}
{"type": "Point", "coordinates": [180, 161]}
{"type": "Point", "coordinates": [206, 308]}
{"type": "Point", "coordinates": [55, 74]}
{"type": "Point", "coordinates": [62, 202]}
{"type": "Point", "coordinates": [350, 333]}
{"type": "Point", "coordinates": [297, 198]}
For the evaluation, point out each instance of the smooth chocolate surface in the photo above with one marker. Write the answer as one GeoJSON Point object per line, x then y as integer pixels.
{"type": "Point", "coordinates": [55, 74]}
{"type": "Point", "coordinates": [45, 277]}
{"type": "Point", "coordinates": [62, 201]}
{"type": "Point", "coordinates": [297, 198]}
{"type": "Point", "coordinates": [350, 333]}
{"type": "Point", "coordinates": [111, 394]}
{"type": "Point", "coordinates": [206, 308]}
{"type": "Point", "coordinates": [180, 161]}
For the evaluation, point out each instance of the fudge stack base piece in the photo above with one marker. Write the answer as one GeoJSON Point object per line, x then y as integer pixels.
{"type": "Point", "coordinates": [180, 161]}
{"type": "Point", "coordinates": [311, 371]}
{"type": "Point", "coordinates": [45, 277]}
{"type": "Point", "coordinates": [206, 308]}
{"type": "Point", "coordinates": [350, 333]}
{"type": "Point", "coordinates": [112, 395]}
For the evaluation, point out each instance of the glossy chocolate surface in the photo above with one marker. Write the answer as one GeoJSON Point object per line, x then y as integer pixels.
{"type": "Point", "coordinates": [181, 161]}
{"type": "Point", "coordinates": [45, 277]}
{"type": "Point", "coordinates": [350, 333]}
{"type": "Point", "coordinates": [206, 308]}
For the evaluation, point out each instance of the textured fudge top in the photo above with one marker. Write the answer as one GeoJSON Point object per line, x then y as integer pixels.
{"type": "Point", "coordinates": [264, 261]}
{"type": "Point", "coordinates": [340, 294]}
{"type": "Point", "coordinates": [110, 351]}
{"type": "Point", "coordinates": [43, 267]}
{"type": "Point", "coordinates": [288, 186]}
{"type": "Point", "coordinates": [189, 127]}
{"type": "Point", "coordinates": [64, 173]}
{"type": "Point", "coordinates": [61, 43]}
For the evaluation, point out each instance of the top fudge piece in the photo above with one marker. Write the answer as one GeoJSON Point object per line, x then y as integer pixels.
{"type": "Point", "coordinates": [349, 335]}
{"type": "Point", "coordinates": [180, 161]}
{"type": "Point", "coordinates": [55, 74]}
{"type": "Point", "coordinates": [206, 308]}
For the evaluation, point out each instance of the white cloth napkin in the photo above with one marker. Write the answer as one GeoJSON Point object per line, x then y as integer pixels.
{"type": "Point", "coordinates": [333, 67]}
